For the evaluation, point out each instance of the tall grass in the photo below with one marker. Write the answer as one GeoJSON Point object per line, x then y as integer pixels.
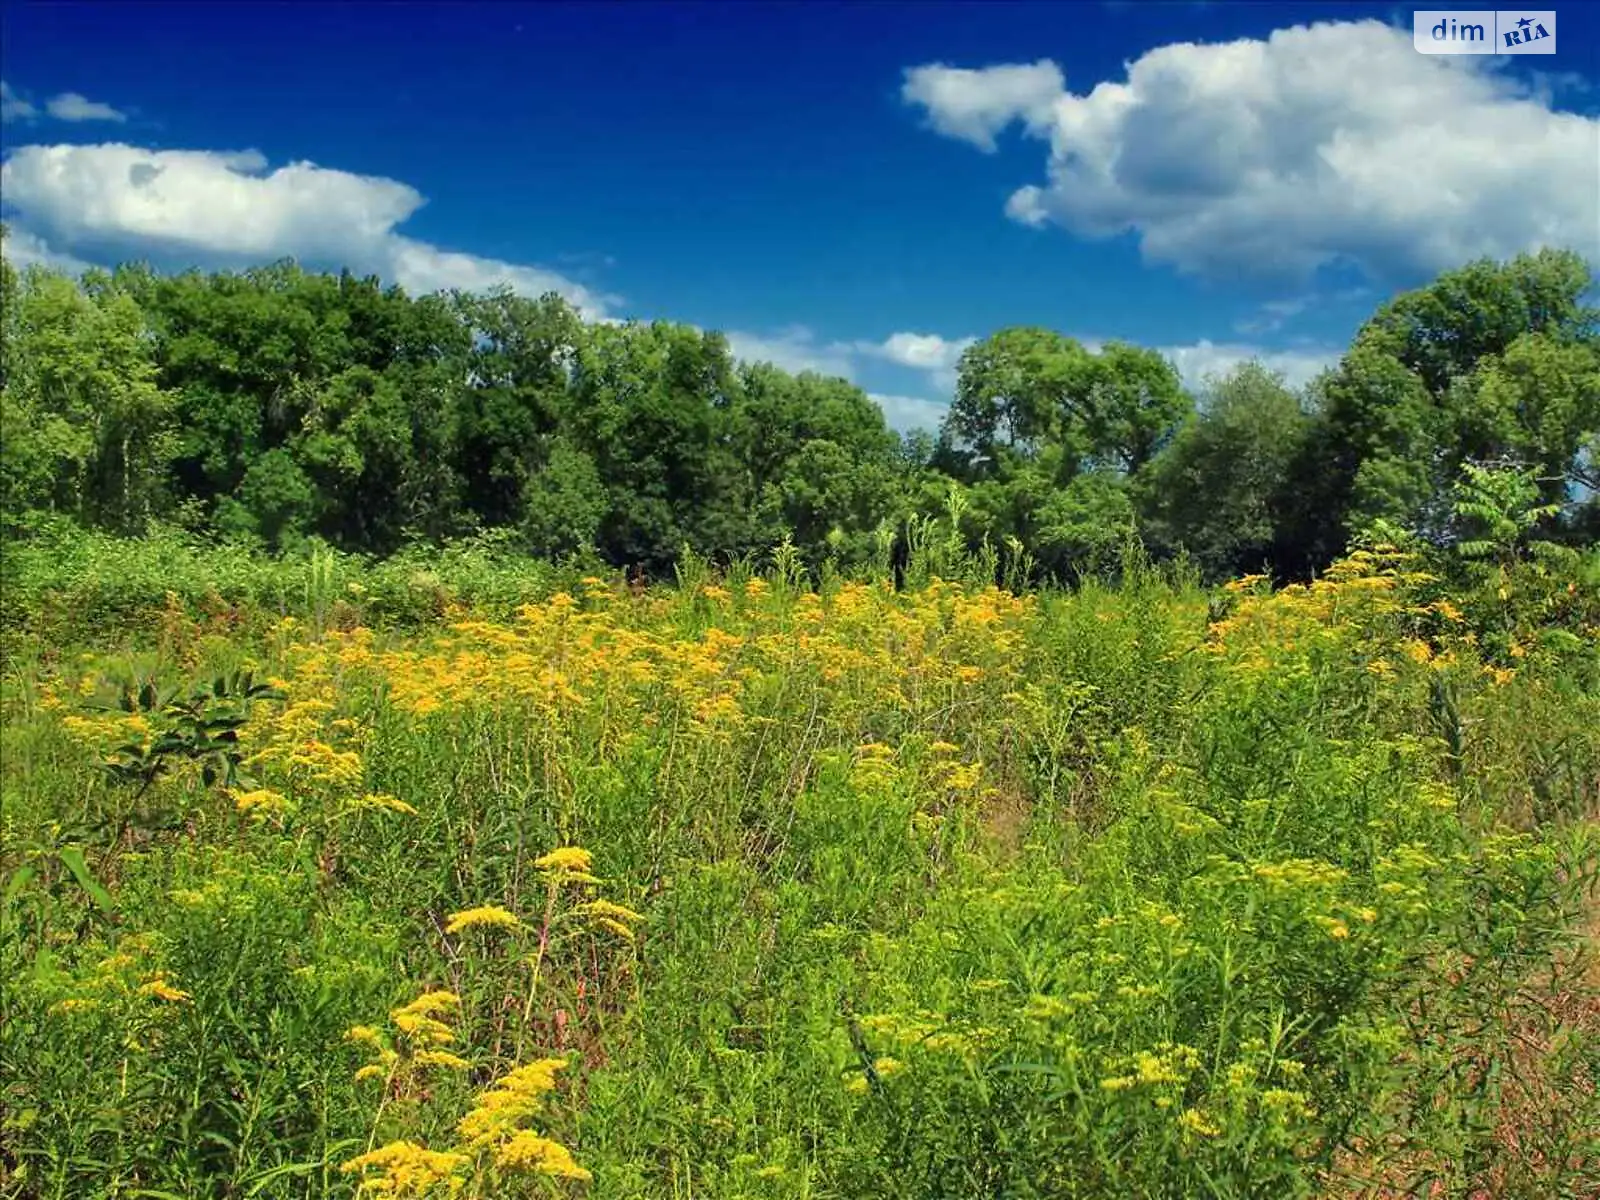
{"type": "Point", "coordinates": [1132, 890]}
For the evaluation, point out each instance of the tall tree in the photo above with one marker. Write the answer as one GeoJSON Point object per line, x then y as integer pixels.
{"type": "Point", "coordinates": [1432, 381]}
{"type": "Point", "coordinates": [1216, 490]}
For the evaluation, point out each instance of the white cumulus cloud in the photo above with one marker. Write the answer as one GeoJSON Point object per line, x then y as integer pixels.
{"type": "Point", "coordinates": [68, 106]}
{"type": "Point", "coordinates": [73, 106]}
{"type": "Point", "coordinates": [920, 351]}
{"type": "Point", "coordinates": [22, 249]}
{"type": "Point", "coordinates": [906, 413]}
{"type": "Point", "coordinates": [795, 349]}
{"type": "Point", "coordinates": [1197, 360]}
{"type": "Point", "coordinates": [1321, 144]}
{"type": "Point", "coordinates": [976, 105]}
{"type": "Point", "coordinates": [227, 206]}
{"type": "Point", "coordinates": [927, 352]}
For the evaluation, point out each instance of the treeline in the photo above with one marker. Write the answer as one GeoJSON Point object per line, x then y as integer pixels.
{"type": "Point", "coordinates": [277, 405]}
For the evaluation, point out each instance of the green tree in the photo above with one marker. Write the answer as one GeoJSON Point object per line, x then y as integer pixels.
{"type": "Point", "coordinates": [1217, 490]}
{"type": "Point", "coordinates": [565, 504]}
{"type": "Point", "coordinates": [1491, 358]}
{"type": "Point", "coordinates": [87, 429]}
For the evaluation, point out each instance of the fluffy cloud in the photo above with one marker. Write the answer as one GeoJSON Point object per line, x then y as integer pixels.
{"type": "Point", "coordinates": [906, 413]}
{"type": "Point", "coordinates": [22, 249]}
{"type": "Point", "coordinates": [795, 349]}
{"type": "Point", "coordinates": [222, 207]}
{"type": "Point", "coordinates": [1322, 144]}
{"type": "Point", "coordinates": [73, 106]}
{"type": "Point", "coordinates": [928, 352]}
{"type": "Point", "coordinates": [68, 106]}
{"type": "Point", "coordinates": [1203, 358]}
{"type": "Point", "coordinates": [976, 105]}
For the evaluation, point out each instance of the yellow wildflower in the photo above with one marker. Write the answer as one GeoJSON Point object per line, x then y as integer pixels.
{"type": "Point", "coordinates": [433, 1002]}
{"type": "Point", "coordinates": [441, 1058]}
{"type": "Point", "coordinates": [162, 990]}
{"type": "Point", "coordinates": [421, 1029]}
{"type": "Point", "coordinates": [407, 1169]}
{"type": "Point", "coordinates": [1193, 1121]}
{"type": "Point", "coordinates": [364, 1035]}
{"type": "Point", "coordinates": [518, 1094]}
{"type": "Point", "coordinates": [261, 802]}
{"type": "Point", "coordinates": [605, 908]}
{"type": "Point", "coordinates": [486, 915]}
{"type": "Point", "coordinates": [527, 1151]}
{"type": "Point", "coordinates": [567, 858]}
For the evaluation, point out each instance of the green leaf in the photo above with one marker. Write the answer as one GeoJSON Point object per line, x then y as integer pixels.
{"type": "Point", "coordinates": [72, 858]}
{"type": "Point", "coordinates": [20, 878]}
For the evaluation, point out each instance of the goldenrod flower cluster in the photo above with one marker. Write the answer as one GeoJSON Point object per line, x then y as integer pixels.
{"type": "Point", "coordinates": [407, 1169]}
{"type": "Point", "coordinates": [415, 1044]}
{"type": "Point", "coordinates": [485, 916]}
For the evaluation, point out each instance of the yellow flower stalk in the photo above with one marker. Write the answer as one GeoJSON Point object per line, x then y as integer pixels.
{"type": "Point", "coordinates": [407, 1169]}
{"type": "Point", "coordinates": [485, 916]}
{"type": "Point", "coordinates": [1194, 1122]}
{"type": "Point", "coordinates": [605, 908]}
{"type": "Point", "coordinates": [516, 1096]}
{"type": "Point", "coordinates": [567, 858]}
{"type": "Point", "coordinates": [261, 802]}
{"type": "Point", "coordinates": [430, 1003]}
{"type": "Point", "coordinates": [162, 990]}
{"type": "Point", "coordinates": [424, 1031]}
{"type": "Point", "coordinates": [527, 1151]}
{"type": "Point", "coordinates": [441, 1058]}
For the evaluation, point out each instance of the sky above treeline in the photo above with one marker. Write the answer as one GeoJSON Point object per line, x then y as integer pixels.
{"type": "Point", "coordinates": [860, 189]}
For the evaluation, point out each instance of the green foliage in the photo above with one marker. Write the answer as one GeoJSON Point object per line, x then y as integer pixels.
{"type": "Point", "coordinates": [943, 892]}
{"type": "Point", "coordinates": [277, 406]}
{"type": "Point", "coordinates": [1489, 362]}
{"type": "Point", "coordinates": [201, 728]}
{"type": "Point", "coordinates": [1218, 491]}
{"type": "Point", "coordinates": [1498, 509]}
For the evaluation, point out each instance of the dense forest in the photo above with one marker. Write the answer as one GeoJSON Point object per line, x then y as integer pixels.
{"type": "Point", "coordinates": [276, 405]}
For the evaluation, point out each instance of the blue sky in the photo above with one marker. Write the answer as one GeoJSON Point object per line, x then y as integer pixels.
{"type": "Point", "coordinates": [856, 188]}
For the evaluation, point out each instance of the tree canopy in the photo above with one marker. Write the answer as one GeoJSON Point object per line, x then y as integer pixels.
{"type": "Point", "coordinates": [278, 404]}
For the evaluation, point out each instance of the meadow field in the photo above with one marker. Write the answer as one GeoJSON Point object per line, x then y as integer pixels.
{"type": "Point", "coordinates": [427, 880]}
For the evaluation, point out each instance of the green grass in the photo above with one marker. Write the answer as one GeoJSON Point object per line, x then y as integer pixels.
{"type": "Point", "coordinates": [1129, 891]}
